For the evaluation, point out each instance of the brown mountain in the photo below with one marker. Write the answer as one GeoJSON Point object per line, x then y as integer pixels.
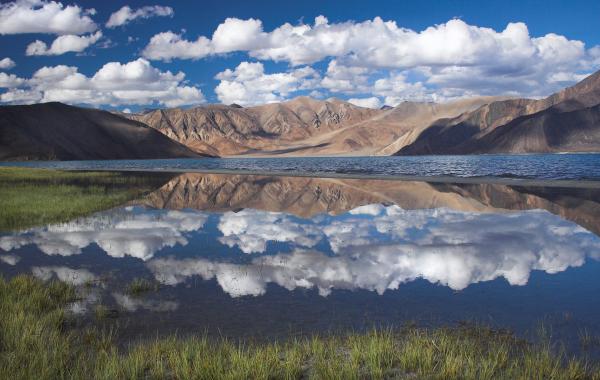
{"type": "Point", "coordinates": [565, 121]}
{"type": "Point", "coordinates": [229, 130]}
{"type": "Point", "coordinates": [302, 126]}
{"type": "Point", "coordinates": [58, 131]}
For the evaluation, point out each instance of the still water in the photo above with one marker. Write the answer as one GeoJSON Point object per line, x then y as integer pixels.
{"type": "Point", "coordinates": [533, 166]}
{"type": "Point", "coordinates": [269, 257]}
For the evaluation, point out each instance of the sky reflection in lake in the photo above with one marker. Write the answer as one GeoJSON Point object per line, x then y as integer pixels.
{"type": "Point", "coordinates": [378, 257]}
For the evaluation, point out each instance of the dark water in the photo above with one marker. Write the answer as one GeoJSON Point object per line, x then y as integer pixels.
{"type": "Point", "coordinates": [255, 256]}
{"type": "Point", "coordinates": [538, 166]}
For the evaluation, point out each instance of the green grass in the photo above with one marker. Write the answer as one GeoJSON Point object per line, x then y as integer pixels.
{"type": "Point", "coordinates": [31, 197]}
{"type": "Point", "coordinates": [35, 342]}
{"type": "Point", "coordinates": [139, 286]}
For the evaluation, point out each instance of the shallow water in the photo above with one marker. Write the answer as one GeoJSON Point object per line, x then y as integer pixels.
{"type": "Point", "coordinates": [273, 257]}
{"type": "Point", "coordinates": [538, 166]}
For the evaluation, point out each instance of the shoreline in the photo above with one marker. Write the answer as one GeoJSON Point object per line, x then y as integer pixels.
{"type": "Point", "coordinates": [568, 183]}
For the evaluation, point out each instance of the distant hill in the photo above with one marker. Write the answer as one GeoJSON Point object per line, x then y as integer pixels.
{"type": "Point", "coordinates": [57, 131]}
{"type": "Point", "coordinates": [300, 127]}
{"type": "Point", "coordinates": [566, 121]}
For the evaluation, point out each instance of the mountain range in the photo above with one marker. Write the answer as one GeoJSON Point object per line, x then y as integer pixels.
{"type": "Point", "coordinates": [567, 121]}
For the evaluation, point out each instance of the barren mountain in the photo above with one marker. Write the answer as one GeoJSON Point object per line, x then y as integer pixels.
{"type": "Point", "coordinates": [227, 130]}
{"type": "Point", "coordinates": [565, 121]}
{"type": "Point", "coordinates": [58, 131]}
{"type": "Point", "coordinates": [302, 126]}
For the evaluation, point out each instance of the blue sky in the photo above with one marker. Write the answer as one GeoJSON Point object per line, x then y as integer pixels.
{"type": "Point", "coordinates": [167, 53]}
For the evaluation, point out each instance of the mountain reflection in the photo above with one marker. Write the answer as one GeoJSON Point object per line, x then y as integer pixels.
{"type": "Point", "coordinates": [246, 232]}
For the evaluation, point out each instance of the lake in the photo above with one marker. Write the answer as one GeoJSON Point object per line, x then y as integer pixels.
{"type": "Point", "coordinates": [531, 166]}
{"type": "Point", "coordinates": [267, 258]}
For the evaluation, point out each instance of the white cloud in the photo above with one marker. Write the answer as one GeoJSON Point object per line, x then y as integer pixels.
{"type": "Point", "coordinates": [345, 79]}
{"type": "Point", "coordinates": [168, 45]}
{"type": "Point", "coordinates": [7, 63]}
{"type": "Point", "coordinates": [20, 96]}
{"type": "Point", "coordinates": [63, 44]}
{"type": "Point", "coordinates": [248, 84]}
{"type": "Point", "coordinates": [372, 102]}
{"type": "Point", "coordinates": [135, 82]}
{"type": "Point", "coordinates": [10, 80]}
{"type": "Point", "coordinates": [126, 14]}
{"type": "Point", "coordinates": [453, 59]}
{"type": "Point", "coordinates": [235, 34]}
{"type": "Point", "coordinates": [38, 16]}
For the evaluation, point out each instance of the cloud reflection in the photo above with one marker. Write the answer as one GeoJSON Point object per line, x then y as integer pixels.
{"type": "Point", "coordinates": [379, 248]}
{"type": "Point", "coordinates": [127, 232]}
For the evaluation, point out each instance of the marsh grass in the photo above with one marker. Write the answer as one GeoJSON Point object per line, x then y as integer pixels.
{"type": "Point", "coordinates": [139, 286]}
{"type": "Point", "coordinates": [35, 343]}
{"type": "Point", "coordinates": [31, 197]}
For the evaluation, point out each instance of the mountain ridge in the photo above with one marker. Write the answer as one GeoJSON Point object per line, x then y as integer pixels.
{"type": "Point", "coordinates": [55, 130]}
{"type": "Point", "coordinates": [567, 121]}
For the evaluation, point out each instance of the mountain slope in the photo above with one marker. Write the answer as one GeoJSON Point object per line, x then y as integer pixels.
{"type": "Point", "coordinates": [565, 121]}
{"type": "Point", "coordinates": [58, 131]}
{"type": "Point", "coordinates": [302, 126]}
{"type": "Point", "coordinates": [227, 130]}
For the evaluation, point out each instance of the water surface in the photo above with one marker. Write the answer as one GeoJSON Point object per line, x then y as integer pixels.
{"type": "Point", "coordinates": [533, 166]}
{"type": "Point", "coordinates": [273, 257]}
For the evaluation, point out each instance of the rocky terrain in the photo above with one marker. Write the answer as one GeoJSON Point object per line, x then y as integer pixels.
{"type": "Point", "coordinates": [568, 121]}
{"type": "Point", "coordinates": [300, 127]}
{"type": "Point", "coordinates": [55, 131]}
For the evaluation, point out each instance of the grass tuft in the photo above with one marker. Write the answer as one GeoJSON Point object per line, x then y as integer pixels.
{"type": "Point", "coordinates": [140, 286]}
{"type": "Point", "coordinates": [34, 343]}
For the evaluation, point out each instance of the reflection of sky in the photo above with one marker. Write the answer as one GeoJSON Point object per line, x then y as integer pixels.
{"type": "Point", "coordinates": [127, 232]}
{"type": "Point", "coordinates": [372, 247]}
{"type": "Point", "coordinates": [378, 248]}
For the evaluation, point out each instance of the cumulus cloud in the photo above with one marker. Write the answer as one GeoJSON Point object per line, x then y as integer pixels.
{"type": "Point", "coordinates": [39, 16]}
{"type": "Point", "coordinates": [393, 246]}
{"type": "Point", "coordinates": [372, 102]}
{"type": "Point", "coordinates": [126, 14]}
{"type": "Point", "coordinates": [115, 83]}
{"type": "Point", "coordinates": [63, 44]}
{"type": "Point", "coordinates": [454, 59]}
{"type": "Point", "coordinates": [248, 84]}
{"type": "Point", "coordinates": [10, 80]}
{"type": "Point", "coordinates": [168, 45]}
{"type": "Point", "coordinates": [125, 233]}
{"type": "Point", "coordinates": [7, 63]}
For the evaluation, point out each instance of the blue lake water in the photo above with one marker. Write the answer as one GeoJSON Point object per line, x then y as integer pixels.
{"type": "Point", "coordinates": [273, 257]}
{"type": "Point", "coordinates": [538, 166]}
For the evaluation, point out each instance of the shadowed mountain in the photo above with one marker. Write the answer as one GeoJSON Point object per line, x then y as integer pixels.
{"type": "Point", "coordinates": [566, 121]}
{"type": "Point", "coordinates": [306, 197]}
{"type": "Point", "coordinates": [58, 131]}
